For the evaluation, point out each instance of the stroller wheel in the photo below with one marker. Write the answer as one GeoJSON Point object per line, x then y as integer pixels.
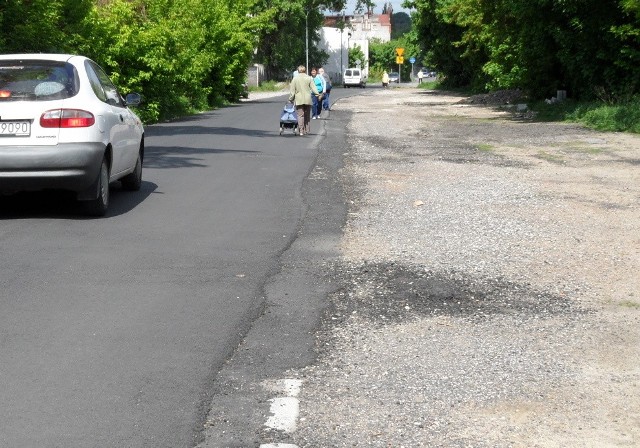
{"type": "Point", "coordinates": [281, 129]}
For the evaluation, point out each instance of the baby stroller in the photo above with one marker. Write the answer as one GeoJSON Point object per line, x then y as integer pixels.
{"type": "Point", "coordinates": [289, 118]}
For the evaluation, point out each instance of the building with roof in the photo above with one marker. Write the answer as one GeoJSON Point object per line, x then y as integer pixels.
{"type": "Point", "coordinates": [358, 30]}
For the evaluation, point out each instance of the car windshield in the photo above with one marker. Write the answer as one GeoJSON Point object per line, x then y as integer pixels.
{"type": "Point", "coordinates": [37, 80]}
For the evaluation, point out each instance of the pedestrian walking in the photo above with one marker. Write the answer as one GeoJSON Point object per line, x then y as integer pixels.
{"type": "Point", "coordinates": [326, 105]}
{"type": "Point", "coordinates": [301, 92]}
{"type": "Point", "coordinates": [420, 76]}
{"type": "Point", "coordinates": [385, 79]}
{"type": "Point", "coordinates": [316, 107]}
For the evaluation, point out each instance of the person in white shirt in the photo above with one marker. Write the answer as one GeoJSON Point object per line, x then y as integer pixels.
{"type": "Point", "coordinates": [326, 105]}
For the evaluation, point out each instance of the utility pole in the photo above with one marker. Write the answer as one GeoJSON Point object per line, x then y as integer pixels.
{"type": "Point", "coordinates": [306, 37]}
{"type": "Point", "coordinates": [341, 47]}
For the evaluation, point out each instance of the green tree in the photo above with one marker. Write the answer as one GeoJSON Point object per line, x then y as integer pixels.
{"type": "Point", "coordinates": [382, 55]}
{"type": "Point", "coordinates": [356, 54]}
{"type": "Point", "coordinates": [587, 47]}
{"type": "Point", "coordinates": [40, 25]}
{"type": "Point", "coordinates": [183, 56]}
{"type": "Point", "coordinates": [282, 30]}
{"type": "Point", "coordinates": [440, 39]}
{"type": "Point", "coordinates": [400, 24]}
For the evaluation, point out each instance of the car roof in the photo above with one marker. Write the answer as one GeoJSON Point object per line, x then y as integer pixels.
{"type": "Point", "coordinates": [38, 56]}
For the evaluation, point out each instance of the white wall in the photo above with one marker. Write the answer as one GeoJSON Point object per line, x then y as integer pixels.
{"type": "Point", "coordinates": [335, 44]}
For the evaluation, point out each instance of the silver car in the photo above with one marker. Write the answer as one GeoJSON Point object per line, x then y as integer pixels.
{"type": "Point", "coordinates": [64, 125]}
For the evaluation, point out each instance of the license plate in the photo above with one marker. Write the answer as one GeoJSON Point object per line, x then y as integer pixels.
{"type": "Point", "coordinates": [15, 128]}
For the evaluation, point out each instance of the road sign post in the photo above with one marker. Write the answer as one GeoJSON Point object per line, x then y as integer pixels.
{"type": "Point", "coordinates": [399, 61]}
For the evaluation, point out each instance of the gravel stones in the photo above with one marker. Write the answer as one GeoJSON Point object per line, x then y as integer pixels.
{"type": "Point", "coordinates": [489, 283]}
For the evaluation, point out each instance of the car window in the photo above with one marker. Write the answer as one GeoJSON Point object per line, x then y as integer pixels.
{"type": "Point", "coordinates": [356, 73]}
{"type": "Point", "coordinates": [102, 85]}
{"type": "Point", "coordinates": [34, 80]}
{"type": "Point", "coordinates": [347, 73]}
{"type": "Point", "coordinates": [95, 84]}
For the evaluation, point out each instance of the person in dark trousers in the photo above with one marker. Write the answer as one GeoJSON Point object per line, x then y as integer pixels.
{"type": "Point", "coordinates": [316, 108]}
{"type": "Point", "coordinates": [326, 105]}
{"type": "Point", "coordinates": [301, 90]}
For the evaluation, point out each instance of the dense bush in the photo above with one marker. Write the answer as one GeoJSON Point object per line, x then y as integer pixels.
{"type": "Point", "coordinates": [590, 48]}
{"type": "Point", "coordinates": [181, 56]}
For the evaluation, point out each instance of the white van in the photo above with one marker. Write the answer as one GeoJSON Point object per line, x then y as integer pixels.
{"type": "Point", "coordinates": [354, 77]}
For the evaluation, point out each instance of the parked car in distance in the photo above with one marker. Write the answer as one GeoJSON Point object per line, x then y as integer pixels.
{"type": "Point", "coordinates": [428, 73]}
{"type": "Point", "coordinates": [394, 77]}
{"type": "Point", "coordinates": [64, 125]}
{"type": "Point", "coordinates": [354, 77]}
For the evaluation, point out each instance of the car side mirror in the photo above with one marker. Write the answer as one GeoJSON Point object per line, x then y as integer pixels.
{"type": "Point", "coordinates": [133, 99]}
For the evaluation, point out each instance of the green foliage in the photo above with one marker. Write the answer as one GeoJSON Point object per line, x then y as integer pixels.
{"type": "Point", "coordinates": [588, 47]}
{"type": "Point", "coordinates": [269, 86]}
{"type": "Point", "coordinates": [400, 24]}
{"type": "Point", "coordinates": [382, 55]}
{"type": "Point", "coordinates": [356, 54]}
{"type": "Point", "coordinates": [280, 30]}
{"type": "Point", "coordinates": [620, 117]}
{"type": "Point", "coordinates": [431, 85]}
{"type": "Point", "coordinates": [182, 56]}
{"type": "Point", "coordinates": [40, 25]}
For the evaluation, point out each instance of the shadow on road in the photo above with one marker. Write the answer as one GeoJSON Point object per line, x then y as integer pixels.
{"type": "Point", "coordinates": [53, 204]}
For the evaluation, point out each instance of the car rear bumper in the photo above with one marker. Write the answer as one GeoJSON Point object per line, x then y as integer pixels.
{"type": "Point", "coordinates": [69, 166]}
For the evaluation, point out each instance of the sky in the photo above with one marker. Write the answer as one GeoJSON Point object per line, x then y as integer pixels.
{"type": "Point", "coordinates": [396, 4]}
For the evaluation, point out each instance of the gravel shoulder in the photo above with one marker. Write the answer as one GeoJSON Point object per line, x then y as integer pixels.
{"type": "Point", "coordinates": [490, 283]}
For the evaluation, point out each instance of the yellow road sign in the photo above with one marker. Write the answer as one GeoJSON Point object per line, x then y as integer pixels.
{"type": "Point", "coordinates": [399, 60]}
{"type": "Point", "coordinates": [399, 51]}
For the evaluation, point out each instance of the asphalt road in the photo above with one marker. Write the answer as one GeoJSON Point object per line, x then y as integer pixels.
{"type": "Point", "coordinates": [113, 330]}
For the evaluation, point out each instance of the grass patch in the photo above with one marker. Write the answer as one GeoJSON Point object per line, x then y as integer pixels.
{"type": "Point", "coordinates": [269, 86]}
{"type": "Point", "coordinates": [484, 147]}
{"type": "Point", "coordinates": [621, 117]}
{"type": "Point", "coordinates": [585, 150]}
{"type": "Point", "coordinates": [552, 158]}
{"type": "Point", "coordinates": [431, 85]}
{"type": "Point", "coordinates": [630, 304]}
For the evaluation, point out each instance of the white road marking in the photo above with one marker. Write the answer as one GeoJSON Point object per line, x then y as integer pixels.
{"type": "Point", "coordinates": [278, 445]}
{"type": "Point", "coordinates": [285, 409]}
{"type": "Point", "coordinates": [285, 412]}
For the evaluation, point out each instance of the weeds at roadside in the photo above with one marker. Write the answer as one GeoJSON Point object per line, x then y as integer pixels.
{"type": "Point", "coordinates": [630, 304]}
{"type": "Point", "coordinates": [268, 86]}
{"type": "Point", "coordinates": [621, 117]}
{"type": "Point", "coordinates": [587, 150]}
{"type": "Point", "coordinates": [485, 147]}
